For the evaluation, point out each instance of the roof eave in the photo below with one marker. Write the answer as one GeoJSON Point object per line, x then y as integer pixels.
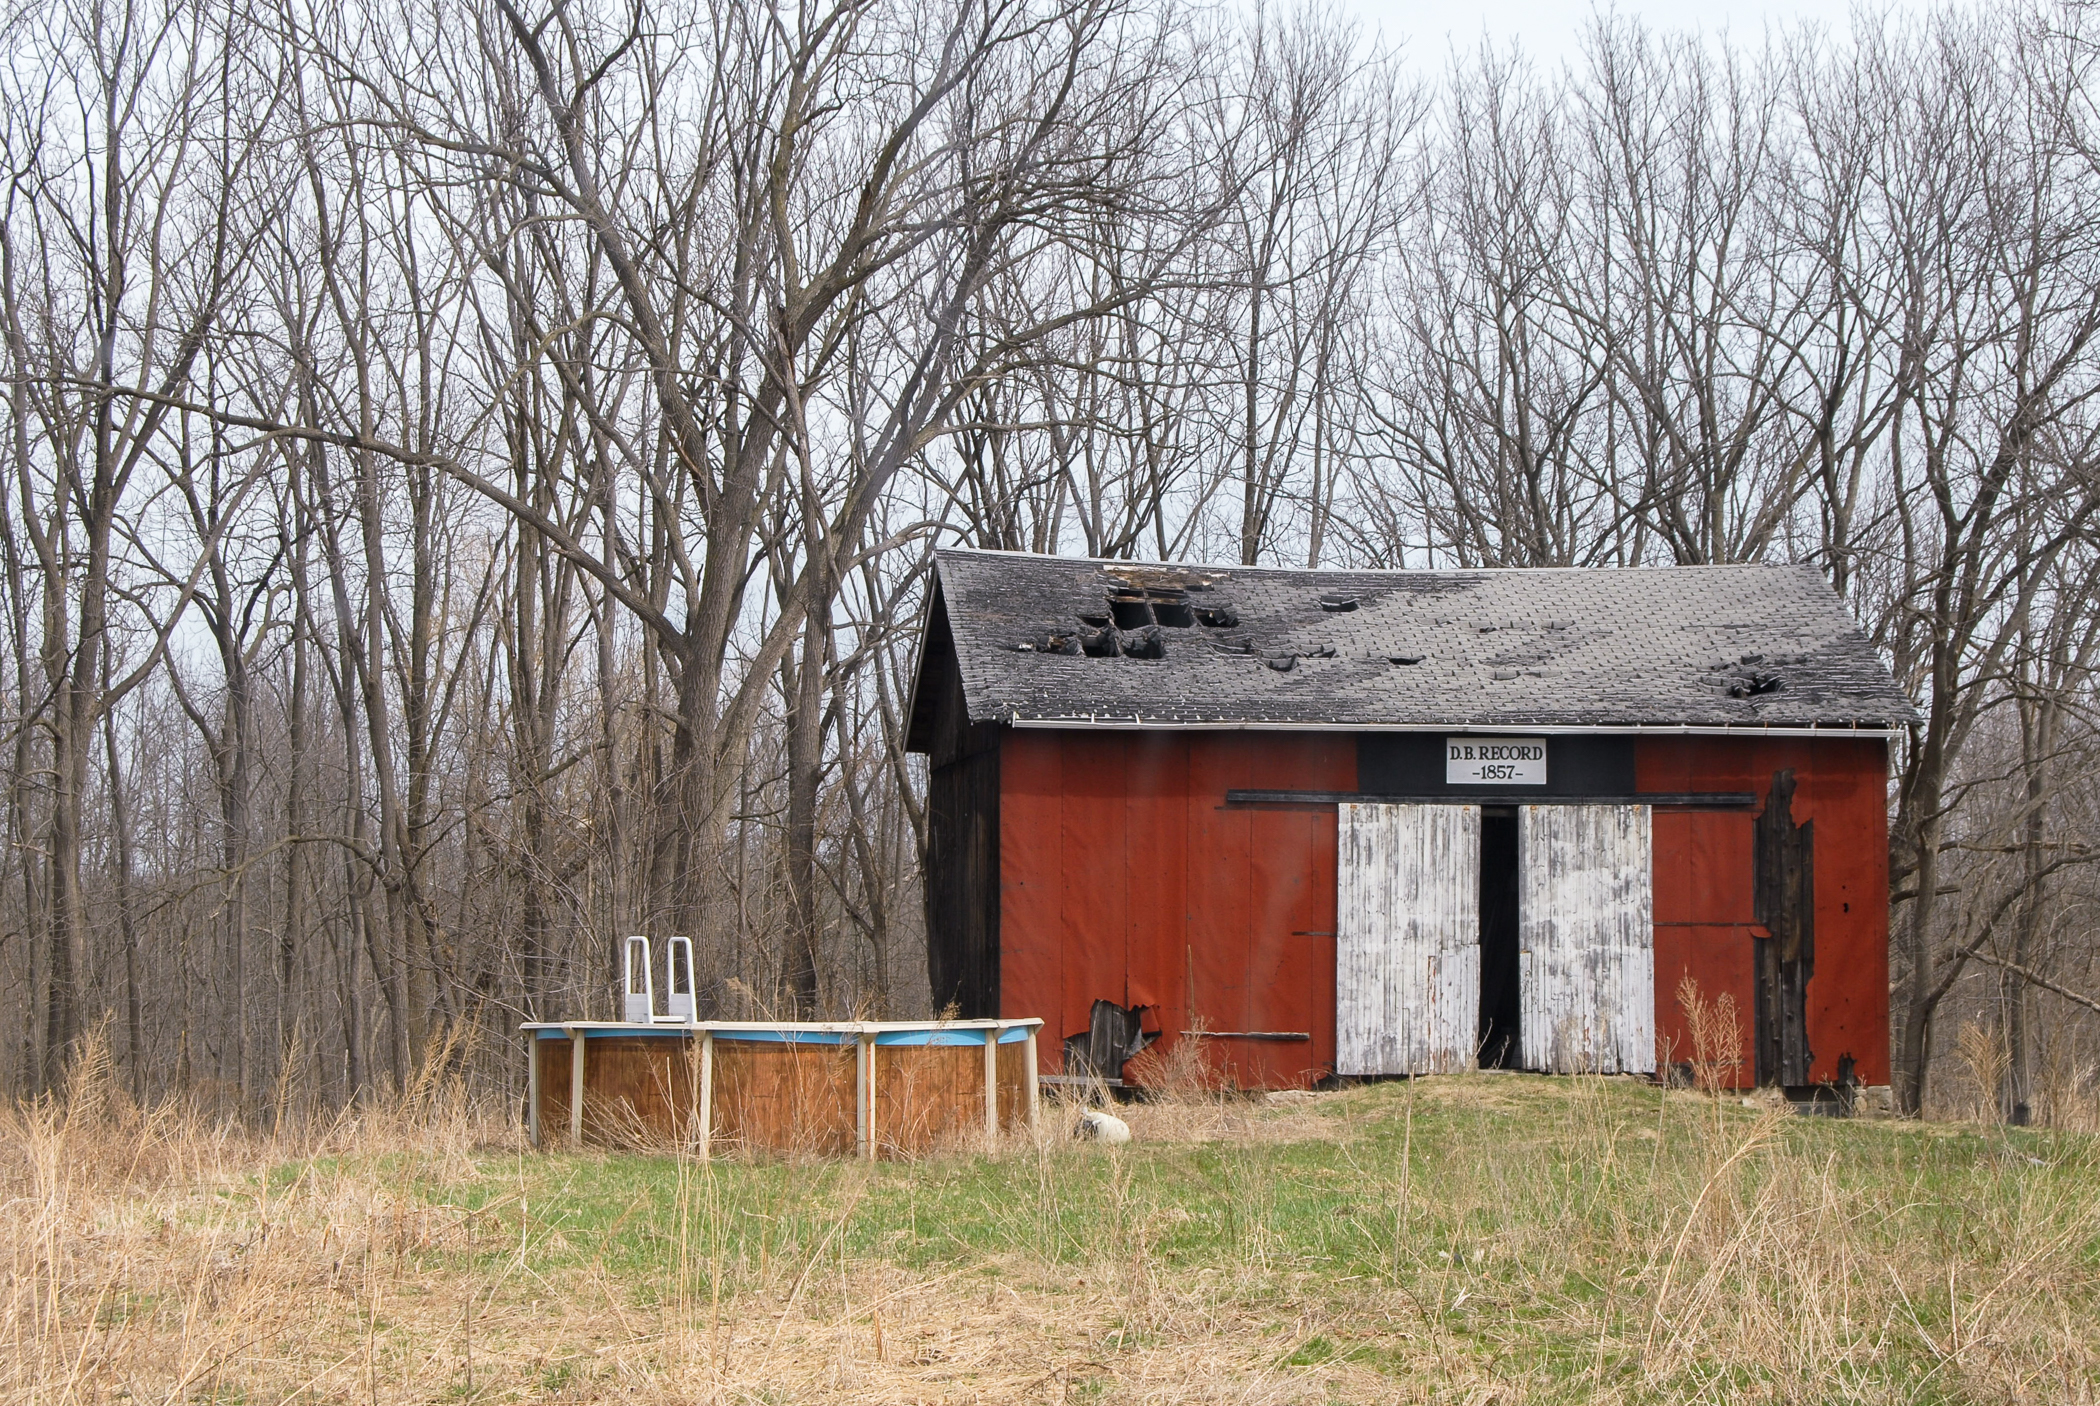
{"type": "Point", "coordinates": [1874, 728]}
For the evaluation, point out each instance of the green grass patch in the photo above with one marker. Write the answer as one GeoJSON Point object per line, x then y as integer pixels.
{"type": "Point", "coordinates": [1563, 1237]}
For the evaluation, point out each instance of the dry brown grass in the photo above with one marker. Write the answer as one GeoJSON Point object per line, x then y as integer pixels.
{"type": "Point", "coordinates": [1716, 1034]}
{"type": "Point", "coordinates": [1472, 1239]}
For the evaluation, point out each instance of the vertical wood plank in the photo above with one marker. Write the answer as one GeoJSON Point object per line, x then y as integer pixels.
{"type": "Point", "coordinates": [1031, 886]}
{"type": "Point", "coordinates": [1586, 931]}
{"type": "Point", "coordinates": [1219, 889]}
{"type": "Point", "coordinates": [1035, 1087]}
{"type": "Point", "coordinates": [863, 1097]}
{"type": "Point", "coordinates": [1407, 938]}
{"type": "Point", "coordinates": [991, 1084]}
{"type": "Point", "coordinates": [706, 1111]}
{"type": "Point", "coordinates": [1156, 849]}
{"type": "Point", "coordinates": [576, 1042]}
{"type": "Point", "coordinates": [1094, 879]}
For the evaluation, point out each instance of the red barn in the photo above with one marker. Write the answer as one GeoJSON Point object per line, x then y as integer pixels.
{"type": "Point", "coordinates": [1388, 822]}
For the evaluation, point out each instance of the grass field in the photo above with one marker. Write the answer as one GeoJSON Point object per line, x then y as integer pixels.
{"type": "Point", "coordinates": [1473, 1239]}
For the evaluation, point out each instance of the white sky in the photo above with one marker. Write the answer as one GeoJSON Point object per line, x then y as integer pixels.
{"type": "Point", "coordinates": [1547, 29]}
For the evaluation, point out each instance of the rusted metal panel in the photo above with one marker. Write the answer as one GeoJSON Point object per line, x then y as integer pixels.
{"type": "Point", "coordinates": [1407, 938]}
{"type": "Point", "coordinates": [1586, 930]}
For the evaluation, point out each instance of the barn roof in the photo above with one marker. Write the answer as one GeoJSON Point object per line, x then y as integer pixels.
{"type": "Point", "coordinates": [1050, 640]}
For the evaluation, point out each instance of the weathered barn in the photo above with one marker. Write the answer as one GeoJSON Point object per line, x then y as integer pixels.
{"type": "Point", "coordinates": [1364, 822]}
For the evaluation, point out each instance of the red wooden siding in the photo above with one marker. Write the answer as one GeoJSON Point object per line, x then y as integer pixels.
{"type": "Point", "coordinates": [1703, 927]}
{"type": "Point", "coordinates": [1843, 789]}
{"type": "Point", "coordinates": [1123, 878]}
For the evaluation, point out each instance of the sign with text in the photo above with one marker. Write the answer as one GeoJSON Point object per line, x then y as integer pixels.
{"type": "Point", "coordinates": [1494, 761]}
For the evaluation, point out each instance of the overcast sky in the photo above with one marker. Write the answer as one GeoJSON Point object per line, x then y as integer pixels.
{"type": "Point", "coordinates": [1548, 29]}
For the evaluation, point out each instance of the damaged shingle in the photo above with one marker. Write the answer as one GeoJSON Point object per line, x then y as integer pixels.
{"type": "Point", "coordinates": [1748, 645]}
{"type": "Point", "coordinates": [1146, 643]}
{"type": "Point", "coordinates": [1055, 642]}
{"type": "Point", "coordinates": [1104, 643]}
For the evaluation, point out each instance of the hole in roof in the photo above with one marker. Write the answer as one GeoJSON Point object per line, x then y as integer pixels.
{"type": "Point", "coordinates": [1405, 658]}
{"type": "Point", "coordinates": [1130, 612]}
{"type": "Point", "coordinates": [1097, 621]}
{"type": "Point", "coordinates": [1335, 601]}
{"type": "Point", "coordinates": [1755, 686]}
{"type": "Point", "coordinates": [1134, 609]}
{"type": "Point", "coordinates": [1100, 644]}
{"type": "Point", "coordinates": [1174, 613]}
{"type": "Point", "coordinates": [1217, 617]}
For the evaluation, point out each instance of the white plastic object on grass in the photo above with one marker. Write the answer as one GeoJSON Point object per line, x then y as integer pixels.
{"type": "Point", "coordinates": [1102, 1127]}
{"type": "Point", "coordinates": [679, 1007]}
{"type": "Point", "coordinates": [638, 991]}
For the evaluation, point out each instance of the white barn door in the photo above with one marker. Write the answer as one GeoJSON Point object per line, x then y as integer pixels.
{"type": "Point", "coordinates": [1586, 938]}
{"type": "Point", "coordinates": [1407, 938]}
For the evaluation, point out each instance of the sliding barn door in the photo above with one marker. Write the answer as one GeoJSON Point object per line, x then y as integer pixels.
{"type": "Point", "coordinates": [1407, 938]}
{"type": "Point", "coordinates": [1587, 938]}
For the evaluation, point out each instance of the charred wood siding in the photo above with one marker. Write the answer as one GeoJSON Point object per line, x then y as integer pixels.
{"type": "Point", "coordinates": [1407, 945]}
{"type": "Point", "coordinates": [962, 903]}
{"type": "Point", "coordinates": [962, 859]}
{"type": "Point", "coordinates": [1587, 938]}
{"type": "Point", "coordinates": [1704, 866]}
{"type": "Point", "coordinates": [1786, 955]}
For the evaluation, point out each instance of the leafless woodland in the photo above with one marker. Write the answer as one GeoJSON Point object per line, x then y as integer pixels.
{"type": "Point", "coordinates": [471, 464]}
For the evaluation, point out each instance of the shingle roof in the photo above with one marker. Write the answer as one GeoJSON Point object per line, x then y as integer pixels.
{"type": "Point", "coordinates": [1704, 646]}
